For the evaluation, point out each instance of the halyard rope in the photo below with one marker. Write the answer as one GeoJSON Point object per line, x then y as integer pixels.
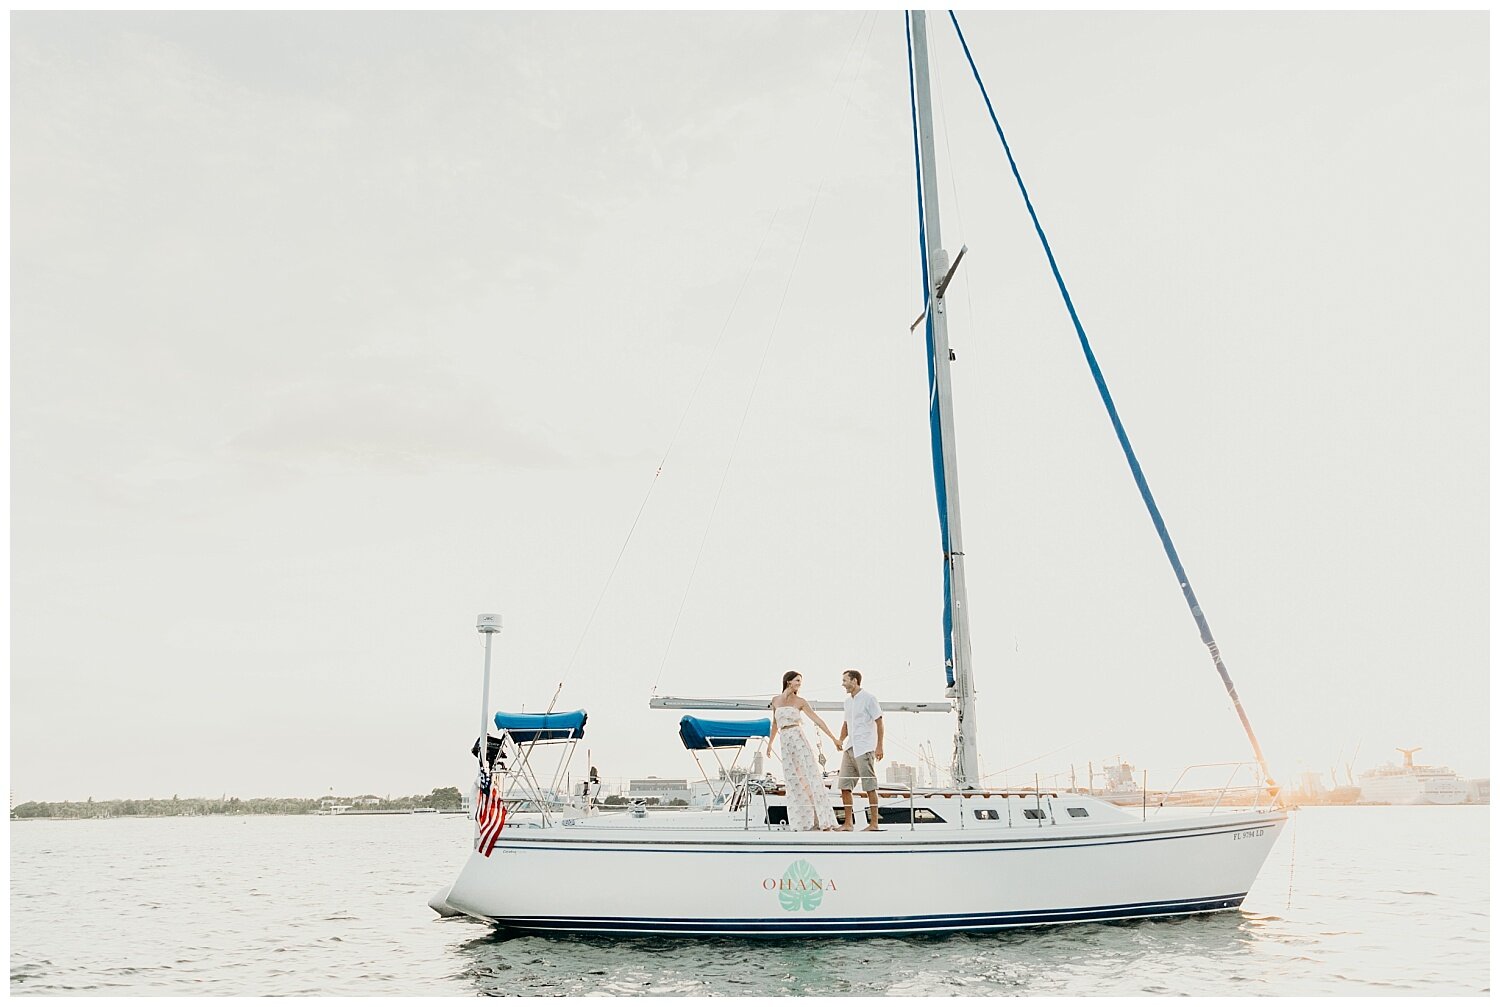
{"type": "Point", "coordinates": [692, 397]}
{"type": "Point", "coordinates": [1292, 862]}
{"type": "Point", "coordinates": [1135, 468]}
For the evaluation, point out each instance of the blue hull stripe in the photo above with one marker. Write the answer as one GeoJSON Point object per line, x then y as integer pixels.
{"type": "Point", "coordinates": [872, 925]}
{"type": "Point", "coordinates": [593, 845]}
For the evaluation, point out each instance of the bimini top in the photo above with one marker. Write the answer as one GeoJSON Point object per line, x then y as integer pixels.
{"type": "Point", "coordinates": [527, 727]}
{"type": "Point", "coordinates": [698, 734]}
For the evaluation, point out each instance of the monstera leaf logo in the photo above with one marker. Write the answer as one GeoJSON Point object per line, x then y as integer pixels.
{"type": "Point", "coordinates": [798, 890]}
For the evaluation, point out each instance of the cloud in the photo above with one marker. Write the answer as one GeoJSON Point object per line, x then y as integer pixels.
{"type": "Point", "coordinates": [396, 412]}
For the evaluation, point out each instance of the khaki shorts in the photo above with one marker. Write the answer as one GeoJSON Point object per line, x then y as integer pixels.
{"type": "Point", "coordinates": [858, 772]}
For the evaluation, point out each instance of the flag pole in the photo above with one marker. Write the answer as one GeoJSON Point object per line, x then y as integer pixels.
{"type": "Point", "coordinates": [488, 626]}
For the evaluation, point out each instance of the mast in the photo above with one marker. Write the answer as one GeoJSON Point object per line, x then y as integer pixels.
{"type": "Point", "coordinates": [944, 448]}
{"type": "Point", "coordinates": [488, 625]}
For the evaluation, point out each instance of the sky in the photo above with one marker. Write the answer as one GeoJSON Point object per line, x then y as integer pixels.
{"type": "Point", "coordinates": [332, 331]}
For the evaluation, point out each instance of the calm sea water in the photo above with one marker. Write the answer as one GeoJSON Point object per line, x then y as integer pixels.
{"type": "Point", "coordinates": [1352, 901]}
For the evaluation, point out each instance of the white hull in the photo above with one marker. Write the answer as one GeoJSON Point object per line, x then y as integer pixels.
{"type": "Point", "coordinates": [704, 874]}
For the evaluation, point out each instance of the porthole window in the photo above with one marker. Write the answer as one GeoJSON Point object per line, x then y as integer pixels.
{"type": "Point", "coordinates": [903, 816]}
{"type": "Point", "coordinates": [987, 814]}
{"type": "Point", "coordinates": [1034, 813]}
{"type": "Point", "coordinates": [1079, 812]}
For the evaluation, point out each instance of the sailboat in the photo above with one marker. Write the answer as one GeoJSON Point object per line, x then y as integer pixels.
{"type": "Point", "coordinates": [958, 858]}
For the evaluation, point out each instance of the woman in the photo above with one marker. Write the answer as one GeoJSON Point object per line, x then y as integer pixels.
{"type": "Point", "coordinates": [809, 804]}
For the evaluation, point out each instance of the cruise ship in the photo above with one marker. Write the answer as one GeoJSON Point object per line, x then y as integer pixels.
{"type": "Point", "coordinates": [1411, 784]}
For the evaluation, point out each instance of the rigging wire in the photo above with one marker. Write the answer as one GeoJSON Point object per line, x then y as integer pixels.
{"type": "Point", "coordinates": [1135, 467]}
{"type": "Point", "coordinates": [671, 443]}
{"type": "Point", "coordinates": [1291, 866]}
{"type": "Point", "coordinates": [952, 173]}
{"type": "Point", "coordinates": [770, 337]}
{"type": "Point", "coordinates": [682, 419]}
{"type": "Point", "coordinates": [1039, 758]}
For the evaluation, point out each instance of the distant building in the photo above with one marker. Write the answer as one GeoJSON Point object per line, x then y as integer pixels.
{"type": "Point", "coordinates": [710, 793]}
{"type": "Point", "coordinates": [901, 775]}
{"type": "Point", "coordinates": [1312, 784]}
{"type": "Point", "coordinates": [365, 800]}
{"type": "Point", "coordinates": [663, 790]}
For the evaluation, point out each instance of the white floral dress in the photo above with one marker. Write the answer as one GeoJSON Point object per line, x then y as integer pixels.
{"type": "Point", "coordinates": [809, 804]}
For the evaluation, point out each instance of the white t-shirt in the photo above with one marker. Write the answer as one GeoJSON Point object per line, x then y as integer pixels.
{"type": "Point", "coordinates": [861, 710]}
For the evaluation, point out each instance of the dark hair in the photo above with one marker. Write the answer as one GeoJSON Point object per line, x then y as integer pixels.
{"type": "Point", "coordinates": [858, 678]}
{"type": "Point", "coordinates": [786, 679]}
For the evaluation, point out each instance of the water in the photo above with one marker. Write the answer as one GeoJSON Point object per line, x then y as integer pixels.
{"type": "Point", "coordinates": [1383, 901]}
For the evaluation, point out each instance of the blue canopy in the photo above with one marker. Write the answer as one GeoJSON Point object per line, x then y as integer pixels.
{"type": "Point", "coordinates": [698, 734]}
{"type": "Point", "coordinates": [525, 727]}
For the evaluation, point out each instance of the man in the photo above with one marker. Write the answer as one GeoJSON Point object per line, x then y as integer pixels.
{"type": "Point", "coordinates": [865, 728]}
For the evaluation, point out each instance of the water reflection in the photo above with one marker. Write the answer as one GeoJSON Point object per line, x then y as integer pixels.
{"type": "Point", "coordinates": [1130, 956]}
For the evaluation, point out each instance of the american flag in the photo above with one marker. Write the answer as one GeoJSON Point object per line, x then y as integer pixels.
{"type": "Point", "coordinates": [489, 812]}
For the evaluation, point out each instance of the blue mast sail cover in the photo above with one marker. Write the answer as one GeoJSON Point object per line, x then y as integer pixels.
{"type": "Point", "coordinates": [698, 734]}
{"type": "Point", "coordinates": [527, 727]}
{"type": "Point", "coordinates": [935, 417]}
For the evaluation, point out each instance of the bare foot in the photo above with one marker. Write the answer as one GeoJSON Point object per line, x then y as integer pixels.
{"type": "Point", "coordinates": [872, 828]}
{"type": "Point", "coordinates": [845, 828]}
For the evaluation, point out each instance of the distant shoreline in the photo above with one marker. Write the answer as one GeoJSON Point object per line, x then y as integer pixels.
{"type": "Point", "coordinates": [438, 801]}
{"type": "Point", "coordinates": [242, 814]}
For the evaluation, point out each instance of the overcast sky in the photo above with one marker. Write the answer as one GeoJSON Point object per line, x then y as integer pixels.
{"type": "Point", "coordinates": [330, 332]}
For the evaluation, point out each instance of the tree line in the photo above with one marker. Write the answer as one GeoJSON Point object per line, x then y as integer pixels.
{"type": "Point", "coordinates": [441, 798]}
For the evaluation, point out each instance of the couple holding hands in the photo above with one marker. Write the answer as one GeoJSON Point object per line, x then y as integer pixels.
{"type": "Point", "coordinates": [809, 804]}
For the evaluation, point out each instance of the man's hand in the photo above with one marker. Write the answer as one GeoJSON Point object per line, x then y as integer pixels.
{"type": "Point", "coordinates": [879, 752]}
